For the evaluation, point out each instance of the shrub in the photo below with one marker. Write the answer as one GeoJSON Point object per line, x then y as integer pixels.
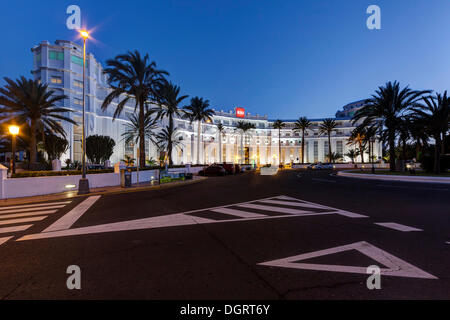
{"type": "Point", "coordinates": [27, 174]}
{"type": "Point", "coordinates": [427, 162]}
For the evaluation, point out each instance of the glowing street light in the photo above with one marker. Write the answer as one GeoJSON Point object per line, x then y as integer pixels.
{"type": "Point", "coordinates": [14, 130]}
{"type": "Point", "coordinates": [83, 185]}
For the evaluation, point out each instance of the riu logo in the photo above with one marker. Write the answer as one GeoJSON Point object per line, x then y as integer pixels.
{"type": "Point", "coordinates": [374, 21]}
{"type": "Point", "coordinates": [73, 22]}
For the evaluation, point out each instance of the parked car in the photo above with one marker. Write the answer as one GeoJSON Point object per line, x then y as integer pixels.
{"type": "Point", "coordinates": [237, 168]}
{"type": "Point", "coordinates": [213, 170]}
{"type": "Point", "coordinates": [320, 166]}
{"type": "Point", "coordinates": [229, 168]}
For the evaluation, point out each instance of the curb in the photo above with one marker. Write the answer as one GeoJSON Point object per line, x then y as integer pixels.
{"type": "Point", "coordinates": [73, 195]}
{"type": "Point", "coordinates": [422, 179]}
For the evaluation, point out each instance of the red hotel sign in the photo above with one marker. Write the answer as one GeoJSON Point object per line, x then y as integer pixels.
{"type": "Point", "coordinates": [240, 112]}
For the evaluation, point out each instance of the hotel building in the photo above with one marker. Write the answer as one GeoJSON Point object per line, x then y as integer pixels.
{"type": "Point", "coordinates": [60, 66]}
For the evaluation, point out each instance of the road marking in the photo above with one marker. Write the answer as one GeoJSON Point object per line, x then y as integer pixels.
{"type": "Point", "coordinates": [238, 213]}
{"type": "Point", "coordinates": [35, 205]}
{"type": "Point", "coordinates": [28, 214]}
{"type": "Point", "coordinates": [294, 204]}
{"type": "Point", "coordinates": [30, 209]}
{"type": "Point", "coordinates": [414, 188]}
{"type": "Point", "coordinates": [397, 226]}
{"type": "Point", "coordinates": [15, 228]}
{"type": "Point", "coordinates": [13, 221]}
{"type": "Point", "coordinates": [350, 214]}
{"type": "Point", "coordinates": [395, 266]}
{"type": "Point", "coordinates": [66, 221]}
{"type": "Point", "coordinates": [61, 228]}
{"type": "Point", "coordinates": [274, 209]}
{"type": "Point", "coordinates": [4, 239]}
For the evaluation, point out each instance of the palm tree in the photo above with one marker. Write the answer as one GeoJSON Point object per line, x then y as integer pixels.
{"type": "Point", "coordinates": [418, 134]}
{"type": "Point", "coordinates": [167, 137]}
{"type": "Point", "coordinates": [434, 113]}
{"type": "Point", "coordinates": [199, 111]}
{"type": "Point", "coordinates": [301, 125]}
{"type": "Point", "coordinates": [278, 124]}
{"type": "Point", "coordinates": [404, 128]}
{"type": "Point", "coordinates": [133, 78]}
{"type": "Point", "coordinates": [129, 161]}
{"type": "Point", "coordinates": [243, 127]}
{"type": "Point", "coordinates": [28, 101]}
{"type": "Point", "coordinates": [220, 130]}
{"type": "Point", "coordinates": [369, 134]}
{"type": "Point", "coordinates": [358, 136]}
{"type": "Point", "coordinates": [131, 133]}
{"type": "Point", "coordinates": [352, 154]}
{"type": "Point", "coordinates": [168, 102]}
{"type": "Point", "coordinates": [384, 110]}
{"type": "Point", "coordinates": [327, 127]}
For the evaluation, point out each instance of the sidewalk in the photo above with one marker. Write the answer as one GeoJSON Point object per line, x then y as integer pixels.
{"type": "Point", "coordinates": [423, 179]}
{"type": "Point", "coordinates": [100, 191]}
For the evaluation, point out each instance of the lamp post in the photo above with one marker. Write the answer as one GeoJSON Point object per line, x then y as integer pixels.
{"type": "Point", "coordinates": [83, 185]}
{"type": "Point", "coordinates": [14, 130]}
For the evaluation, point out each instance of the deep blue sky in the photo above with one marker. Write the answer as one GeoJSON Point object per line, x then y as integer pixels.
{"type": "Point", "coordinates": [281, 58]}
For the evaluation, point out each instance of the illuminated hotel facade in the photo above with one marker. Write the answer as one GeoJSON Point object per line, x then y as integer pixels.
{"type": "Point", "coordinates": [60, 66]}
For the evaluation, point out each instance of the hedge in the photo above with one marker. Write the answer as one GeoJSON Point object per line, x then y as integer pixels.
{"type": "Point", "coordinates": [26, 174]}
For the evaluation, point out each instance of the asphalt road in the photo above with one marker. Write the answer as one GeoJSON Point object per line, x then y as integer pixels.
{"type": "Point", "coordinates": [209, 240]}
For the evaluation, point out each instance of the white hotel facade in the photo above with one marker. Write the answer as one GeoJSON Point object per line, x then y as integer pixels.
{"type": "Point", "coordinates": [60, 65]}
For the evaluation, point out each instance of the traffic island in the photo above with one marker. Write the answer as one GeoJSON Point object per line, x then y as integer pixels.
{"type": "Point", "coordinates": [395, 177]}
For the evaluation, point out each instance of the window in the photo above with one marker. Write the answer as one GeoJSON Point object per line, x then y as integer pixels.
{"type": "Point", "coordinates": [56, 55]}
{"type": "Point", "coordinates": [77, 101]}
{"type": "Point", "coordinates": [325, 149]}
{"type": "Point", "coordinates": [316, 151]}
{"type": "Point", "coordinates": [77, 60]}
{"type": "Point", "coordinates": [339, 147]}
{"type": "Point", "coordinates": [56, 80]}
{"type": "Point", "coordinates": [77, 137]}
{"type": "Point", "coordinates": [78, 84]}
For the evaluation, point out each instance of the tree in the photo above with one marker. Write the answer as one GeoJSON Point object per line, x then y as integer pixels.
{"type": "Point", "coordinates": [327, 127]}
{"type": "Point", "coordinates": [168, 137]}
{"type": "Point", "coordinates": [28, 101]}
{"type": "Point", "coordinates": [199, 111]}
{"type": "Point", "coordinates": [358, 136]}
{"type": "Point", "coordinates": [54, 145]}
{"type": "Point", "coordinates": [131, 133]}
{"type": "Point", "coordinates": [243, 127]}
{"type": "Point", "coordinates": [434, 113]}
{"type": "Point", "coordinates": [384, 110]}
{"type": "Point", "coordinates": [220, 130]}
{"type": "Point", "coordinates": [352, 154]}
{"type": "Point", "coordinates": [300, 126]}
{"type": "Point", "coordinates": [168, 102]}
{"type": "Point", "coordinates": [133, 77]}
{"type": "Point", "coordinates": [129, 161]}
{"type": "Point", "coordinates": [278, 124]}
{"type": "Point", "coordinates": [99, 148]}
{"type": "Point", "coordinates": [334, 156]}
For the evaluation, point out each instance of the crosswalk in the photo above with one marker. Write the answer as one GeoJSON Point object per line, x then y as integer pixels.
{"type": "Point", "coordinates": [18, 218]}
{"type": "Point", "coordinates": [269, 208]}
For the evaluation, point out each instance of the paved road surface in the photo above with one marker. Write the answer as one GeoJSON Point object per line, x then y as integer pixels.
{"type": "Point", "coordinates": [297, 235]}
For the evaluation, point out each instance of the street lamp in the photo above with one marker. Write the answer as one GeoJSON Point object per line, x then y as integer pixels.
{"type": "Point", "coordinates": [14, 130]}
{"type": "Point", "coordinates": [83, 185]}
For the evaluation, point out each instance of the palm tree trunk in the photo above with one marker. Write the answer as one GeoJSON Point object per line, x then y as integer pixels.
{"type": "Point", "coordinates": [220, 148]}
{"type": "Point", "coordinates": [141, 136]}
{"type": "Point", "coordinates": [279, 146]}
{"type": "Point", "coordinates": [443, 142]}
{"type": "Point", "coordinates": [303, 146]}
{"type": "Point", "coordinates": [242, 148]}
{"type": "Point", "coordinates": [329, 148]}
{"type": "Point", "coordinates": [198, 141]}
{"type": "Point", "coordinates": [392, 150]}
{"type": "Point", "coordinates": [437, 154]}
{"type": "Point", "coordinates": [169, 142]}
{"type": "Point", "coordinates": [33, 154]}
{"type": "Point", "coordinates": [361, 151]}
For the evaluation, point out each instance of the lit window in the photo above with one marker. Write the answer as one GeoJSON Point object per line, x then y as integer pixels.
{"type": "Point", "coordinates": [56, 80]}
{"type": "Point", "coordinates": [56, 55]}
{"type": "Point", "coordinates": [78, 84]}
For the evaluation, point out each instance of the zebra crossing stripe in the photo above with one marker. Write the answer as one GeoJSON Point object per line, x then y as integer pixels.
{"type": "Point", "coordinates": [27, 214]}
{"type": "Point", "coordinates": [15, 228]}
{"type": "Point", "coordinates": [274, 209]}
{"type": "Point", "coordinates": [13, 221]}
{"type": "Point", "coordinates": [238, 213]}
{"type": "Point", "coordinates": [4, 239]}
{"type": "Point", "coordinates": [30, 209]}
{"type": "Point", "coordinates": [293, 204]}
{"type": "Point", "coordinates": [35, 205]}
